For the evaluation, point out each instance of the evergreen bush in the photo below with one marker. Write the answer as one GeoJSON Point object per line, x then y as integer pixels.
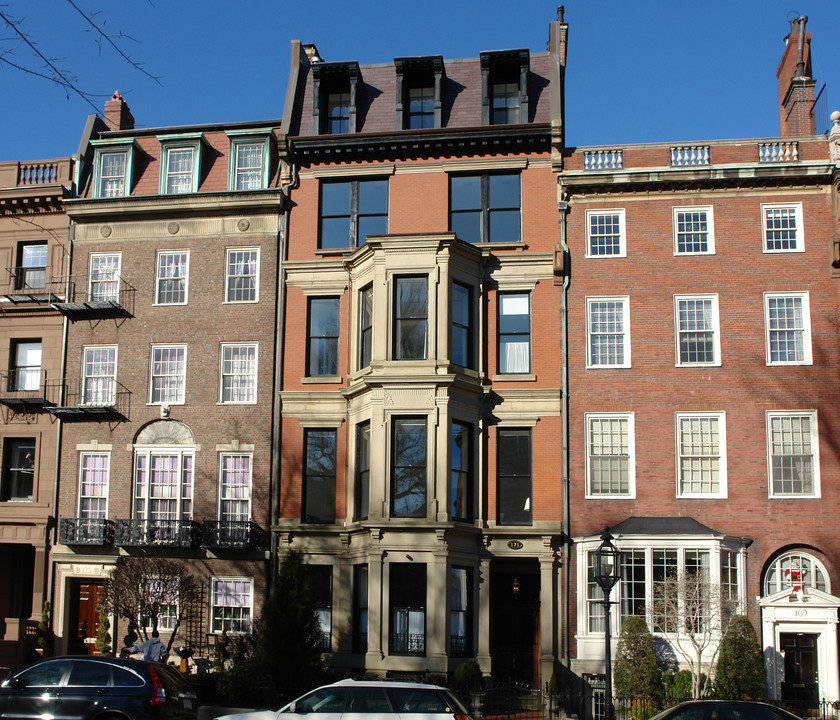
{"type": "Point", "coordinates": [739, 674]}
{"type": "Point", "coordinates": [636, 671]}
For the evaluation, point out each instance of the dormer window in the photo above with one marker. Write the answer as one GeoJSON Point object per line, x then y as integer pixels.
{"type": "Point", "coordinates": [418, 92]}
{"type": "Point", "coordinates": [335, 97]}
{"type": "Point", "coordinates": [504, 81]}
{"type": "Point", "coordinates": [180, 164]}
{"type": "Point", "coordinates": [112, 168]}
{"type": "Point", "coordinates": [250, 160]}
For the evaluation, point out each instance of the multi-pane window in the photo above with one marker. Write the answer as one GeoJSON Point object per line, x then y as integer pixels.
{"type": "Point", "coordinates": [795, 571]}
{"type": "Point", "coordinates": [485, 208]}
{"type": "Point", "coordinates": [31, 271]}
{"type": "Point", "coordinates": [462, 333]}
{"type": "Point", "coordinates": [360, 608]}
{"type": "Point", "coordinates": [248, 172]}
{"type": "Point", "coordinates": [605, 234]}
{"type": "Point", "coordinates": [163, 593]}
{"type": "Point", "coordinates": [351, 210]}
{"type": "Point", "coordinates": [320, 590]}
{"type": "Point", "coordinates": [25, 373]}
{"type": "Point", "coordinates": [322, 336]}
{"type": "Point", "coordinates": [17, 474]}
{"type": "Point", "coordinates": [788, 328]}
{"type": "Point", "coordinates": [633, 586]}
{"type": "Point", "coordinates": [608, 327]}
{"type": "Point", "coordinates": [232, 601]}
{"type": "Point", "coordinates": [461, 473]}
{"type": "Point", "coordinates": [338, 113]}
{"type": "Point", "coordinates": [594, 598]}
{"type": "Point", "coordinates": [407, 596]}
{"type": "Point", "coordinates": [698, 341]}
{"type": "Point", "coordinates": [694, 232]}
{"type": "Point", "coordinates": [105, 277]}
{"type": "Point", "coordinates": [365, 325]}
{"type": "Point", "coordinates": [701, 455]}
{"type": "Point", "coordinates": [163, 485]}
{"type": "Point", "coordinates": [112, 174]}
{"type": "Point", "coordinates": [99, 376]}
{"type": "Point", "coordinates": [460, 611]}
{"type": "Point", "coordinates": [319, 478]}
{"type": "Point", "coordinates": [664, 608]}
{"type": "Point", "coordinates": [178, 170]}
{"type": "Point", "coordinates": [239, 373]}
{"type": "Point", "coordinates": [168, 374]}
{"type": "Point", "coordinates": [411, 317]}
{"type": "Point", "coordinates": [610, 456]}
{"type": "Point", "coordinates": [514, 333]}
{"type": "Point", "coordinates": [729, 589]}
{"type": "Point", "coordinates": [513, 460]}
{"type": "Point", "coordinates": [793, 459]}
{"type": "Point", "coordinates": [242, 272]}
{"type": "Point", "coordinates": [782, 227]}
{"type": "Point", "coordinates": [421, 107]}
{"type": "Point", "coordinates": [235, 487]}
{"type": "Point", "coordinates": [362, 494]}
{"type": "Point", "coordinates": [505, 103]}
{"type": "Point", "coordinates": [173, 270]}
{"type": "Point", "coordinates": [93, 485]}
{"type": "Point", "coordinates": [408, 467]}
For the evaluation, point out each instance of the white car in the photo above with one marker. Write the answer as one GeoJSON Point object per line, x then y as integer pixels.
{"type": "Point", "coordinates": [366, 699]}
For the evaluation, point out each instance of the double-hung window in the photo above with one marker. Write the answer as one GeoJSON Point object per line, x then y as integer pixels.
{"type": "Point", "coordinates": [235, 487]}
{"type": "Point", "coordinates": [463, 343]}
{"type": "Point", "coordinates": [94, 471]}
{"type": "Point", "coordinates": [180, 164]}
{"type": "Point", "coordinates": [232, 604]}
{"type": "Point", "coordinates": [513, 461]}
{"type": "Point", "coordinates": [694, 231]}
{"type": "Point", "coordinates": [242, 273]}
{"type": "Point", "coordinates": [351, 210]}
{"type": "Point", "coordinates": [411, 317]}
{"type": "Point", "coordinates": [322, 337]}
{"type": "Point", "coordinates": [163, 487]}
{"type": "Point", "coordinates": [99, 376]}
{"type": "Point", "coordinates": [249, 162]}
{"type": "Point", "coordinates": [701, 455]}
{"type": "Point", "coordinates": [485, 208]}
{"type": "Point", "coordinates": [360, 608]}
{"type": "Point", "coordinates": [407, 598]}
{"type": "Point", "coordinates": [239, 373]}
{"type": "Point", "coordinates": [168, 374]}
{"type": "Point", "coordinates": [25, 372]}
{"type": "Point", "coordinates": [112, 169]}
{"type": "Point", "coordinates": [698, 331]}
{"type": "Point", "coordinates": [514, 333]}
{"type": "Point", "coordinates": [782, 227]}
{"type": "Point", "coordinates": [320, 590]}
{"type": "Point", "coordinates": [505, 103]}
{"type": "Point", "coordinates": [173, 271]}
{"type": "Point", "coordinates": [319, 479]}
{"type": "Point", "coordinates": [793, 454]}
{"type": "Point", "coordinates": [610, 456]}
{"type": "Point", "coordinates": [362, 490]}
{"type": "Point", "coordinates": [788, 328]}
{"type": "Point", "coordinates": [105, 277]}
{"type": "Point", "coordinates": [421, 107]}
{"type": "Point", "coordinates": [460, 611]}
{"type": "Point", "coordinates": [17, 474]}
{"type": "Point", "coordinates": [605, 233]}
{"type": "Point", "coordinates": [408, 466]}
{"type": "Point", "coordinates": [608, 330]}
{"type": "Point", "coordinates": [338, 113]}
{"type": "Point", "coordinates": [461, 471]}
{"type": "Point", "coordinates": [31, 271]}
{"type": "Point", "coordinates": [365, 325]}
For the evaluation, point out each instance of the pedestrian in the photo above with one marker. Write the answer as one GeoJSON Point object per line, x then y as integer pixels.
{"type": "Point", "coordinates": [153, 649]}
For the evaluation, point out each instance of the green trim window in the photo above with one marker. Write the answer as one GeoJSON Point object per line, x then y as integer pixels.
{"type": "Point", "coordinates": [112, 169]}
{"type": "Point", "coordinates": [250, 161]}
{"type": "Point", "coordinates": [180, 164]}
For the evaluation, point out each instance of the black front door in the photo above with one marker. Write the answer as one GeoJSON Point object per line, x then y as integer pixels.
{"type": "Point", "coordinates": [515, 617]}
{"type": "Point", "coordinates": [800, 686]}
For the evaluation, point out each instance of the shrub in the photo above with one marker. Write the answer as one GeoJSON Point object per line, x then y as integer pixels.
{"type": "Point", "coordinates": [740, 668]}
{"type": "Point", "coordinates": [103, 637]}
{"type": "Point", "coordinates": [468, 675]}
{"type": "Point", "coordinates": [44, 634]}
{"type": "Point", "coordinates": [635, 671]}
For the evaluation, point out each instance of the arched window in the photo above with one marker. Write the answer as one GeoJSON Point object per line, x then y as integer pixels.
{"type": "Point", "coordinates": [793, 571]}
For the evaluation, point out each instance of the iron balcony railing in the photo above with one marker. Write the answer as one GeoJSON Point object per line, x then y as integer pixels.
{"type": "Point", "coordinates": [24, 389]}
{"type": "Point", "coordinates": [95, 398]}
{"type": "Point", "coordinates": [232, 534]}
{"type": "Point", "coordinates": [408, 644]}
{"type": "Point", "coordinates": [85, 531]}
{"type": "Point", "coordinates": [90, 296]}
{"type": "Point", "coordinates": [157, 533]}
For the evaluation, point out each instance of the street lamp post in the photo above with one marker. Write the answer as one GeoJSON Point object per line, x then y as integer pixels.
{"type": "Point", "coordinates": [606, 575]}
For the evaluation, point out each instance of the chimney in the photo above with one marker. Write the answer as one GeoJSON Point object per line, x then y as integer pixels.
{"type": "Point", "coordinates": [796, 86]}
{"type": "Point", "coordinates": [117, 114]}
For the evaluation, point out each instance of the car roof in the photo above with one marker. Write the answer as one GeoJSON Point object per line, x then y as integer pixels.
{"type": "Point", "coordinates": [383, 683]}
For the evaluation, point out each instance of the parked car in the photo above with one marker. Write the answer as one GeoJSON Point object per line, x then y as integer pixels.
{"type": "Point", "coordinates": [360, 699]}
{"type": "Point", "coordinates": [724, 710]}
{"type": "Point", "coordinates": [90, 688]}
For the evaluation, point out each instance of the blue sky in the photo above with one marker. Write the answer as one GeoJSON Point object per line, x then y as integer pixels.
{"type": "Point", "coordinates": [647, 71]}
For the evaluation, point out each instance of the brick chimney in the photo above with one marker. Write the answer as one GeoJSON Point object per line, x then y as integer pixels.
{"type": "Point", "coordinates": [796, 86]}
{"type": "Point", "coordinates": [117, 114]}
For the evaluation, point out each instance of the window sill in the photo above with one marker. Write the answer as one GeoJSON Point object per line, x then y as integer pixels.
{"type": "Point", "coordinates": [322, 379]}
{"type": "Point", "coordinates": [327, 252]}
{"type": "Point", "coordinates": [514, 377]}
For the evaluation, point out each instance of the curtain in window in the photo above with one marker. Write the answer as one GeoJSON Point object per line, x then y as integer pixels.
{"type": "Point", "coordinates": [94, 486]}
{"type": "Point", "coordinates": [514, 334]}
{"type": "Point", "coordinates": [236, 490]}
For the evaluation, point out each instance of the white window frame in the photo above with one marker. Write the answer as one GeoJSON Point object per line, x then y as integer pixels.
{"type": "Point", "coordinates": [168, 615]}
{"type": "Point", "coordinates": [625, 315]}
{"type": "Point", "coordinates": [775, 573]}
{"type": "Point", "coordinates": [101, 396]}
{"type": "Point", "coordinates": [105, 486]}
{"type": "Point", "coordinates": [233, 374]}
{"type": "Point", "coordinates": [244, 138]}
{"type": "Point", "coordinates": [800, 229]}
{"type": "Point", "coordinates": [622, 233]}
{"type": "Point", "coordinates": [141, 502]}
{"type": "Point", "coordinates": [180, 396]}
{"type": "Point", "coordinates": [223, 486]}
{"type": "Point", "coordinates": [98, 278]}
{"type": "Point", "coordinates": [715, 329]}
{"type": "Point", "coordinates": [159, 278]}
{"type": "Point", "coordinates": [629, 418]}
{"type": "Point", "coordinates": [710, 229]}
{"type": "Point", "coordinates": [229, 277]}
{"type": "Point", "coordinates": [216, 629]}
{"type": "Point", "coordinates": [109, 147]}
{"type": "Point", "coordinates": [805, 330]}
{"type": "Point", "coordinates": [815, 453]}
{"type": "Point", "coordinates": [168, 143]}
{"type": "Point", "coordinates": [721, 455]}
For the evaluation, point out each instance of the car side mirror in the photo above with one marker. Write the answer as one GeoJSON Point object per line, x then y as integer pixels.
{"type": "Point", "coordinates": [14, 683]}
